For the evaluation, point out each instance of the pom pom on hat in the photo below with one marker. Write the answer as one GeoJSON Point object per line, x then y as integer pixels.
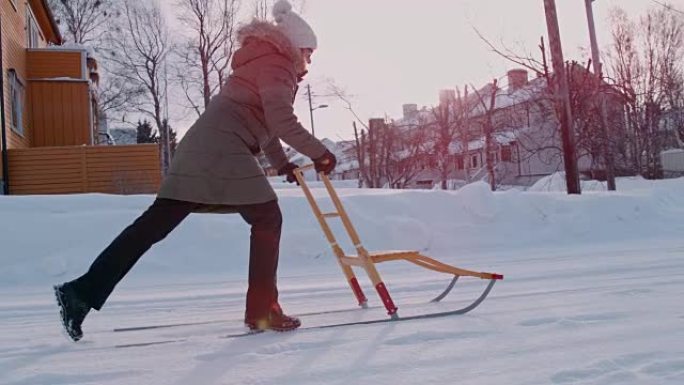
{"type": "Point", "coordinates": [280, 9]}
{"type": "Point", "coordinates": [293, 26]}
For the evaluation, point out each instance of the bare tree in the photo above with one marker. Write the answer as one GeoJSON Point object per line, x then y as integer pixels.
{"type": "Point", "coordinates": [138, 50]}
{"type": "Point", "coordinates": [115, 93]}
{"type": "Point", "coordinates": [83, 20]}
{"type": "Point", "coordinates": [377, 141]}
{"type": "Point", "coordinates": [205, 55]}
{"type": "Point", "coordinates": [585, 100]}
{"type": "Point", "coordinates": [488, 129]}
{"type": "Point", "coordinates": [592, 141]}
{"type": "Point", "coordinates": [645, 61]}
{"type": "Point", "coordinates": [387, 153]}
{"type": "Point", "coordinates": [360, 156]}
{"type": "Point", "coordinates": [445, 129]}
{"type": "Point", "coordinates": [261, 9]}
{"type": "Point", "coordinates": [361, 138]}
{"type": "Point", "coordinates": [541, 109]}
{"type": "Point", "coordinates": [88, 22]}
{"type": "Point", "coordinates": [340, 93]}
{"type": "Point", "coordinates": [406, 154]}
{"type": "Point", "coordinates": [450, 124]}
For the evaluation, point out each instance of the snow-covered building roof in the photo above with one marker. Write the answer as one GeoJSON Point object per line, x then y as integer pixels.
{"type": "Point", "coordinates": [503, 138]}
{"type": "Point", "coordinates": [90, 50]}
{"type": "Point", "coordinates": [123, 136]}
{"type": "Point", "coordinates": [506, 98]}
{"type": "Point", "coordinates": [343, 150]}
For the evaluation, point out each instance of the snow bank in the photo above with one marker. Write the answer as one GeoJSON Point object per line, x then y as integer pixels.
{"type": "Point", "coordinates": [46, 239]}
{"type": "Point", "coordinates": [556, 183]}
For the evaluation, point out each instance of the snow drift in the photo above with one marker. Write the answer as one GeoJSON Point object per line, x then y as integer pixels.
{"type": "Point", "coordinates": [47, 239]}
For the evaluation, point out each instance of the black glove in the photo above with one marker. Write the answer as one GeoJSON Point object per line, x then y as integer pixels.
{"type": "Point", "coordinates": [326, 163]}
{"type": "Point", "coordinates": [288, 171]}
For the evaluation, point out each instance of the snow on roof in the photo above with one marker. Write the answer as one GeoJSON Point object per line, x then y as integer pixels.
{"type": "Point", "coordinates": [672, 151]}
{"type": "Point", "coordinates": [63, 79]}
{"type": "Point", "coordinates": [505, 99]}
{"type": "Point", "coordinates": [340, 149]}
{"type": "Point", "coordinates": [90, 51]}
{"type": "Point", "coordinates": [503, 138]}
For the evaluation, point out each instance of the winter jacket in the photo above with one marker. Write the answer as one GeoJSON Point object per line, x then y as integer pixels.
{"type": "Point", "coordinates": [215, 161]}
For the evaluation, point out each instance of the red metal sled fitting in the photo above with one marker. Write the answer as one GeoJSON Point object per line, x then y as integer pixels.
{"type": "Point", "coordinates": [386, 299]}
{"type": "Point", "coordinates": [357, 291]}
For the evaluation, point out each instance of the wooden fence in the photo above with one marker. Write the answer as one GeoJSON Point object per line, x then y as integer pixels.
{"type": "Point", "coordinates": [130, 169]}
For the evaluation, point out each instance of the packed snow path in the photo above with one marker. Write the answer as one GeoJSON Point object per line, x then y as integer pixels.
{"type": "Point", "coordinates": [592, 293]}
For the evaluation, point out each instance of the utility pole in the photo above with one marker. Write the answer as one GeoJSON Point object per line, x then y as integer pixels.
{"type": "Point", "coordinates": [464, 134]}
{"type": "Point", "coordinates": [562, 93]}
{"type": "Point", "coordinates": [3, 128]}
{"type": "Point", "coordinates": [595, 58]}
{"type": "Point", "coordinates": [311, 109]}
{"type": "Point", "coordinates": [165, 134]}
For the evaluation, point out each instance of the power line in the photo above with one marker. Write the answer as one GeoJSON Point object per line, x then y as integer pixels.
{"type": "Point", "coordinates": [668, 7]}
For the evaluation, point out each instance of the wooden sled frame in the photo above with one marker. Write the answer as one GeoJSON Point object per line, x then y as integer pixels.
{"type": "Point", "coordinates": [367, 260]}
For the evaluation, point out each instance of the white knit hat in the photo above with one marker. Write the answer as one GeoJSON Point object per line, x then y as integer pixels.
{"type": "Point", "coordinates": [293, 26]}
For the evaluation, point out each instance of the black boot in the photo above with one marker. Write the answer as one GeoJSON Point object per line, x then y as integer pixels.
{"type": "Point", "coordinates": [72, 309]}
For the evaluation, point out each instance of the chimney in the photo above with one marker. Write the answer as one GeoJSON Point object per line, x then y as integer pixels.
{"type": "Point", "coordinates": [376, 124]}
{"type": "Point", "coordinates": [410, 111]}
{"type": "Point", "coordinates": [517, 79]}
{"type": "Point", "coordinates": [447, 97]}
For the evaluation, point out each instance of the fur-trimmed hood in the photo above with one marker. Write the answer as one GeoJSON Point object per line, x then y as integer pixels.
{"type": "Point", "coordinates": [265, 31]}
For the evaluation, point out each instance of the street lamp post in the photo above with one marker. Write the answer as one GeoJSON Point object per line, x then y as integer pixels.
{"type": "Point", "coordinates": [312, 108]}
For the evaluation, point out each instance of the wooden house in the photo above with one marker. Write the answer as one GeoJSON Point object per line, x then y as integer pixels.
{"type": "Point", "coordinates": [49, 114]}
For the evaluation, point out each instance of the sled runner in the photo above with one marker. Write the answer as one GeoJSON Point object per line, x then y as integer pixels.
{"type": "Point", "coordinates": [367, 260]}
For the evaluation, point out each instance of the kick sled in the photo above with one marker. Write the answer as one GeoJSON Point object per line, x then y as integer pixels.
{"type": "Point", "coordinates": [363, 259]}
{"type": "Point", "coordinates": [367, 260]}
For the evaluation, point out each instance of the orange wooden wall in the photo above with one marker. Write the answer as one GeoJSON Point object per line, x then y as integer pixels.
{"type": "Point", "coordinates": [54, 64]}
{"type": "Point", "coordinates": [60, 113]}
{"type": "Point", "coordinates": [14, 57]}
{"type": "Point", "coordinates": [132, 169]}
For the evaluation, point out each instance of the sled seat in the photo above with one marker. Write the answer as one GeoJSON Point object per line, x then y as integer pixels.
{"type": "Point", "coordinates": [419, 259]}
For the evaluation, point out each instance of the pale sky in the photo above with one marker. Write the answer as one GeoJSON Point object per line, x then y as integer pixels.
{"type": "Point", "coordinates": [390, 52]}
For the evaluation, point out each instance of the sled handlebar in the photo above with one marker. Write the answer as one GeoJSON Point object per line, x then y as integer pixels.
{"type": "Point", "coordinates": [305, 167]}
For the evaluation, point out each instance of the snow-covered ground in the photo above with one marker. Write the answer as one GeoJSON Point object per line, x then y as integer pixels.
{"type": "Point", "coordinates": [592, 293]}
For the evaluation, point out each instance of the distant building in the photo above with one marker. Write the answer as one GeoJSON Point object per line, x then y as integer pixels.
{"type": "Point", "coordinates": [526, 135]}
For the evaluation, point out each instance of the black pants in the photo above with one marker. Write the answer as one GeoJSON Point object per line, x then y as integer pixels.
{"type": "Point", "coordinates": [158, 221]}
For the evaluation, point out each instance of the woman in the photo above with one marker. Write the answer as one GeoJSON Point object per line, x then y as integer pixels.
{"type": "Point", "coordinates": [215, 170]}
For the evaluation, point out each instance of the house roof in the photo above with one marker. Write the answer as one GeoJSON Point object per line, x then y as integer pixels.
{"type": "Point", "coordinates": [505, 98]}
{"type": "Point", "coordinates": [47, 21]}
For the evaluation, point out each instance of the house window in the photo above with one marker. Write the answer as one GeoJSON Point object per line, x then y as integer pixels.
{"type": "Point", "coordinates": [32, 31]}
{"type": "Point", "coordinates": [495, 156]}
{"type": "Point", "coordinates": [506, 154]}
{"type": "Point", "coordinates": [473, 161]}
{"type": "Point", "coordinates": [17, 102]}
{"type": "Point", "coordinates": [459, 162]}
{"type": "Point", "coordinates": [426, 184]}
